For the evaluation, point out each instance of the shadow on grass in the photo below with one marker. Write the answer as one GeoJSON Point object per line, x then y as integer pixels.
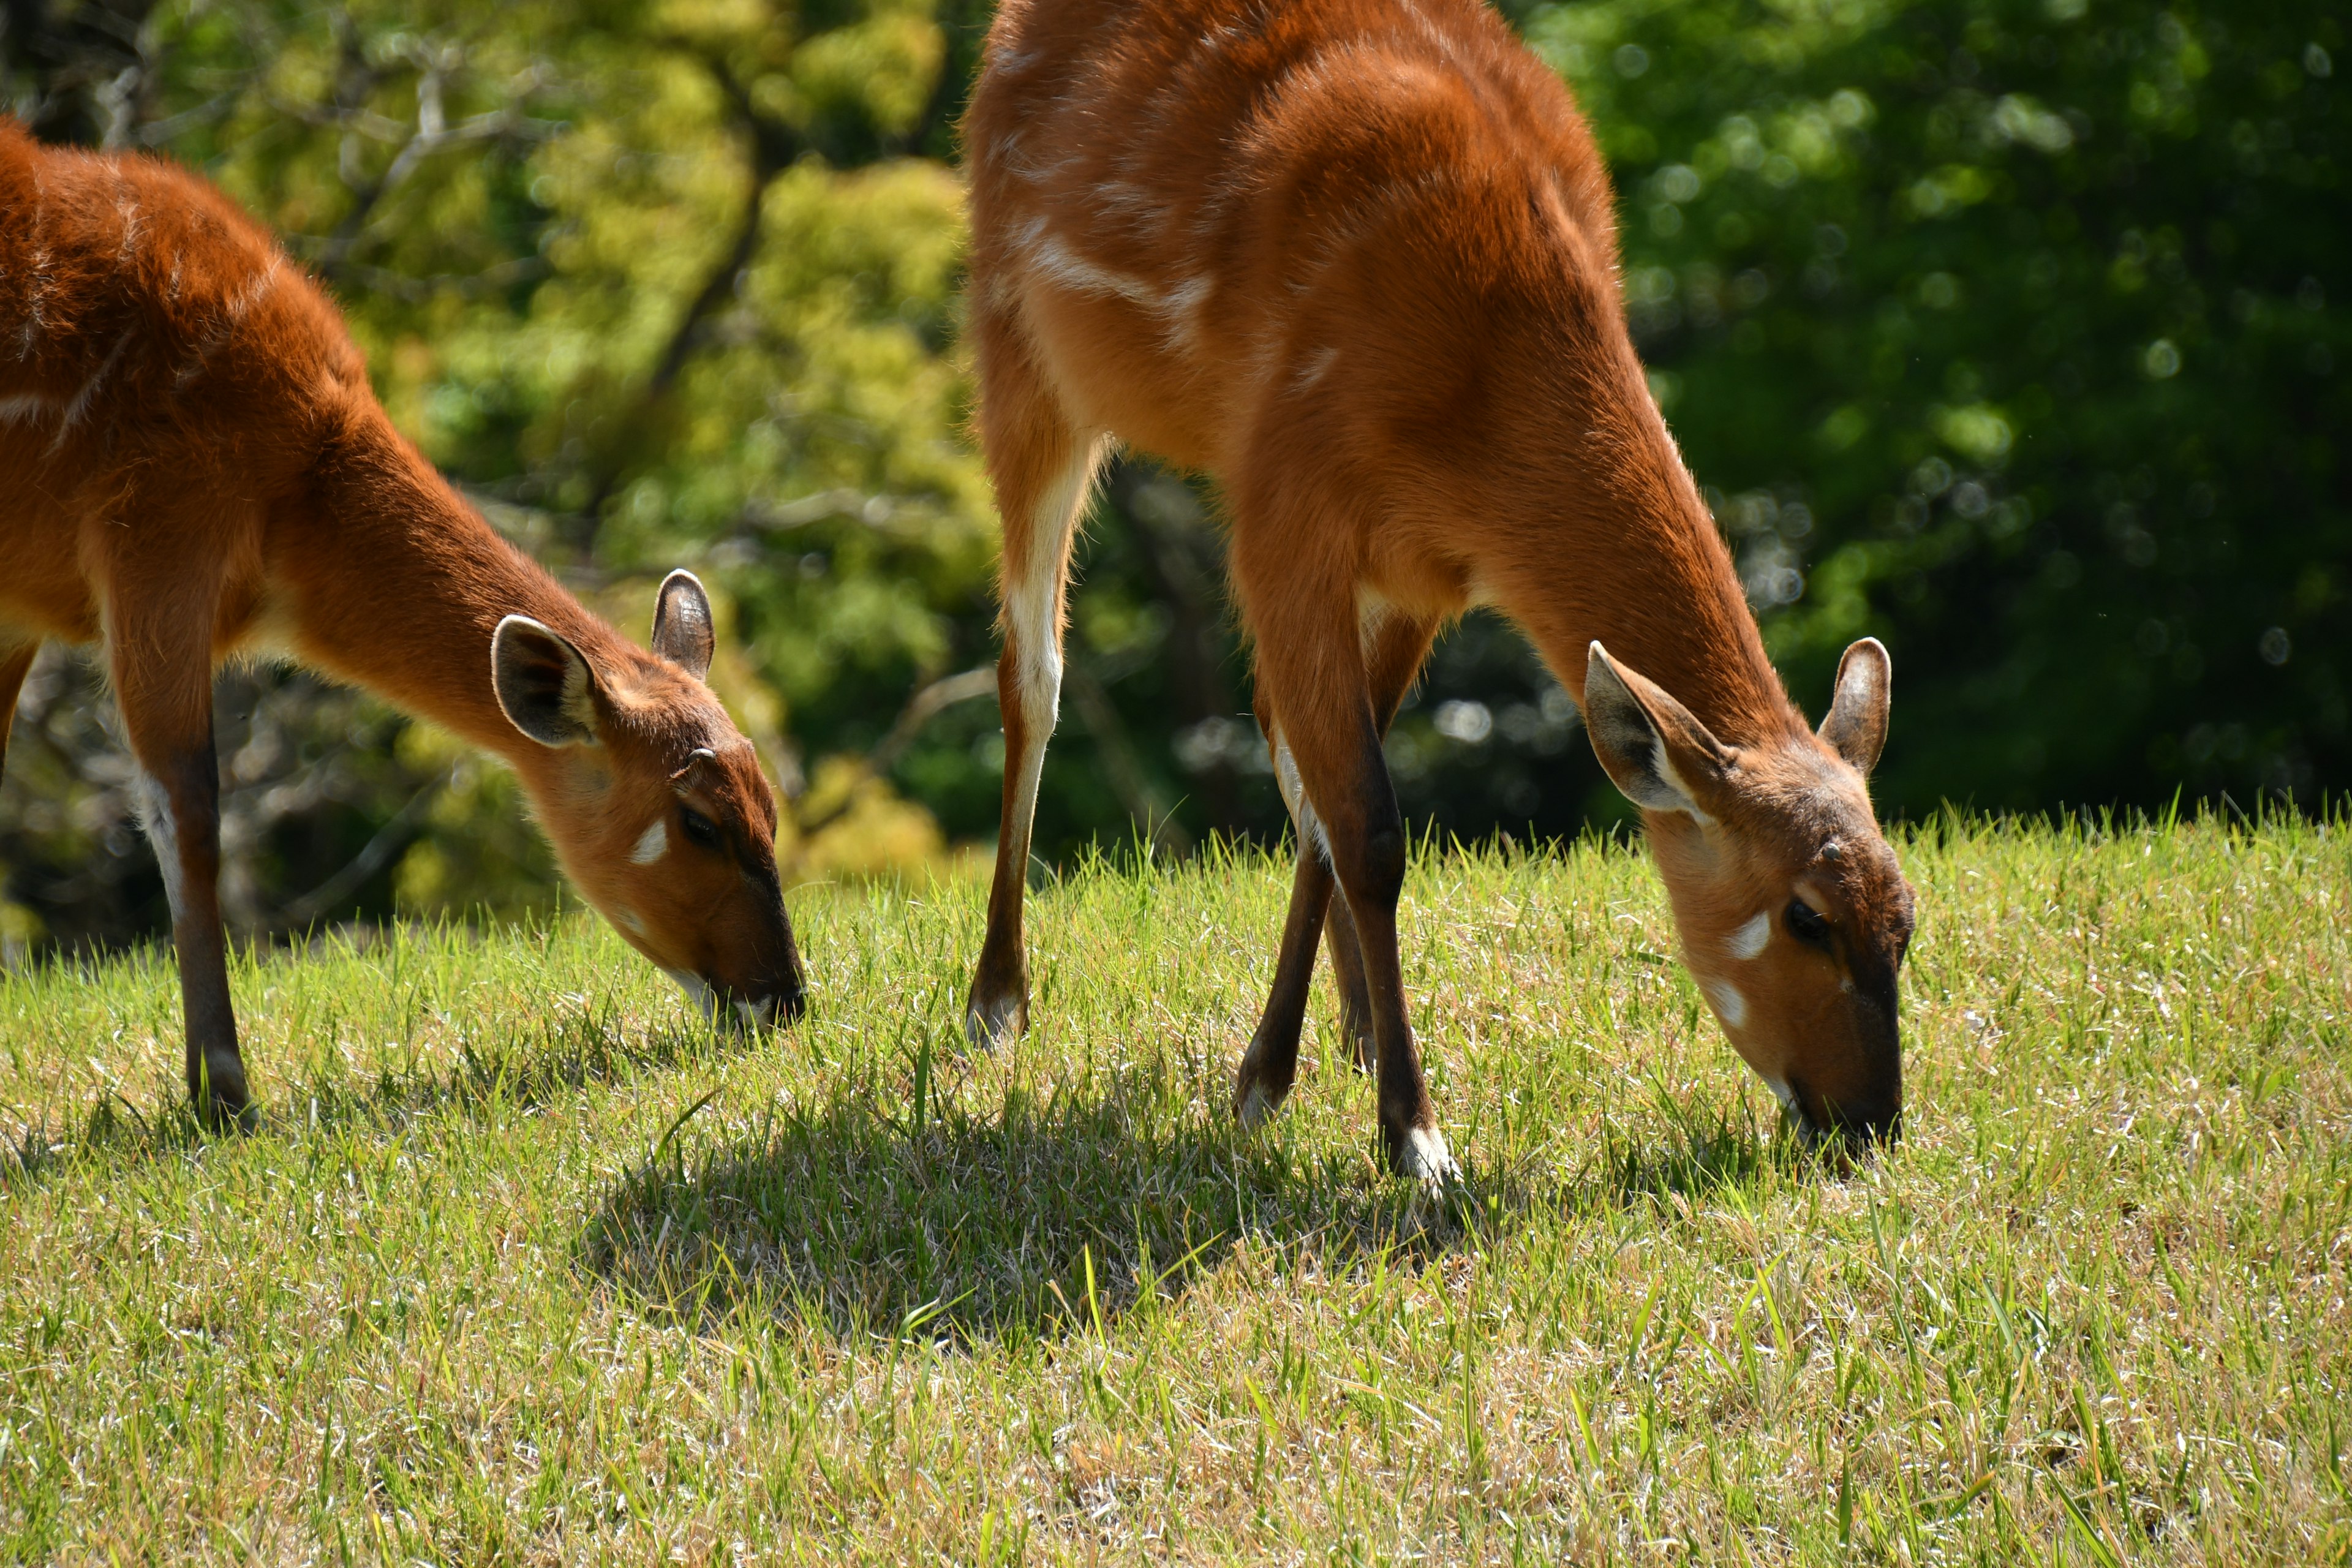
{"type": "Point", "coordinates": [1047, 1217]}
{"type": "Point", "coordinates": [1032, 1222]}
{"type": "Point", "coordinates": [556, 1057]}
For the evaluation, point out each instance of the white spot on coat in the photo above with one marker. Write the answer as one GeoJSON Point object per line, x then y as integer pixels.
{"type": "Point", "coordinates": [1728, 1004]}
{"type": "Point", "coordinates": [1749, 939]}
{"type": "Point", "coordinates": [653, 844]}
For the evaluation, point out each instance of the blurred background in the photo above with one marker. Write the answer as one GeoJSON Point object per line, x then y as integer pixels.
{"type": "Point", "coordinates": [2014, 333]}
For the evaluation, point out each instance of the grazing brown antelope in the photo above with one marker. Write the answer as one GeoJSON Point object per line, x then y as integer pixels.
{"type": "Point", "coordinates": [1355, 260]}
{"type": "Point", "coordinates": [192, 464]}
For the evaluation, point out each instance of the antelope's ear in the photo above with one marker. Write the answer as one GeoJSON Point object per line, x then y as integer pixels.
{"type": "Point", "coordinates": [546, 689]}
{"type": "Point", "coordinates": [701, 775]}
{"type": "Point", "coordinates": [682, 627]}
{"type": "Point", "coordinates": [1855, 727]}
{"type": "Point", "coordinates": [1654, 748]}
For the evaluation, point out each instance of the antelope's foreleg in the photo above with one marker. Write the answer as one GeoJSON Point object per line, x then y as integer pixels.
{"type": "Point", "coordinates": [1041, 468]}
{"type": "Point", "coordinates": [1394, 647]}
{"type": "Point", "coordinates": [1317, 684]}
{"type": "Point", "coordinates": [162, 678]}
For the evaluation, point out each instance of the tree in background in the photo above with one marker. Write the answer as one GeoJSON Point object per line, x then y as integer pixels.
{"type": "Point", "coordinates": [2009, 332]}
{"type": "Point", "coordinates": [2014, 333]}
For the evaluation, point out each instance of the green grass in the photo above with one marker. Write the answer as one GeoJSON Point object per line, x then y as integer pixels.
{"type": "Point", "coordinates": [526, 1266]}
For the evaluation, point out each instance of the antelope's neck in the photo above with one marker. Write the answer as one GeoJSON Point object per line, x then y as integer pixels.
{"type": "Point", "coordinates": [1625, 554]}
{"type": "Point", "coordinates": [396, 584]}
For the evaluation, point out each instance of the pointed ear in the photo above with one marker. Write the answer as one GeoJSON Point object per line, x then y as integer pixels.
{"type": "Point", "coordinates": [1654, 748]}
{"type": "Point", "coordinates": [682, 627]}
{"type": "Point", "coordinates": [1855, 728]}
{"type": "Point", "coordinates": [545, 687]}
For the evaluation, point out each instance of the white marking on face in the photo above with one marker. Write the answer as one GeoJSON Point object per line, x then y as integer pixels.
{"type": "Point", "coordinates": [1749, 939]}
{"type": "Point", "coordinates": [163, 834]}
{"type": "Point", "coordinates": [703, 996]}
{"type": "Point", "coordinates": [1784, 1094]}
{"type": "Point", "coordinates": [626, 918]}
{"type": "Point", "coordinates": [1728, 1004]}
{"type": "Point", "coordinates": [653, 844]}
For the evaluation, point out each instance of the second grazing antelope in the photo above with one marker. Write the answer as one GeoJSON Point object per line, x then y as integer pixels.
{"type": "Point", "coordinates": [1356, 261]}
{"type": "Point", "coordinates": [192, 464]}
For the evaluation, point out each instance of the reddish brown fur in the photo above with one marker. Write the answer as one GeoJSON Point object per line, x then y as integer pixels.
{"type": "Point", "coordinates": [1355, 259]}
{"type": "Point", "coordinates": [192, 464]}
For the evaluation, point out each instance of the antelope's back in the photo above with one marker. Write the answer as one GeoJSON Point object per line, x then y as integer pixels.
{"type": "Point", "coordinates": [143, 317]}
{"type": "Point", "coordinates": [1207, 189]}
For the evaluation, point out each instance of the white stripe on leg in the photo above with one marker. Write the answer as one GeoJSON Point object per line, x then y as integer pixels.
{"type": "Point", "coordinates": [1033, 624]}
{"type": "Point", "coordinates": [163, 829]}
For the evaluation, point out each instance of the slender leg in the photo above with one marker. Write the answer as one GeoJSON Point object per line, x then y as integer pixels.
{"type": "Point", "coordinates": [15, 663]}
{"type": "Point", "coordinates": [1312, 667]}
{"type": "Point", "coordinates": [162, 660]}
{"type": "Point", "coordinates": [1271, 1064]}
{"type": "Point", "coordinates": [1394, 647]}
{"type": "Point", "coordinates": [1042, 467]}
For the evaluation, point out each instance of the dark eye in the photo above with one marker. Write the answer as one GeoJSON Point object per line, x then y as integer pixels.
{"type": "Point", "coordinates": [698, 827]}
{"type": "Point", "coordinates": [1807, 924]}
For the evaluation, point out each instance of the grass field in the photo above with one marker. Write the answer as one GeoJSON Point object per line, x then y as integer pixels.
{"type": "Point", "coordinates": [526, 1266]}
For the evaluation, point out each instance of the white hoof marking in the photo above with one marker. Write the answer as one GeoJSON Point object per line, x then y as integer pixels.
{"type": "Point", "coordinates": [1426, 1160]}
{"type": "Point", "coordinates": [991, 1025]}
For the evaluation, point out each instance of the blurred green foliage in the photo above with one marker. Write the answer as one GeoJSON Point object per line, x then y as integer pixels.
{"type": "Point", "coordinates": [2014, 333]}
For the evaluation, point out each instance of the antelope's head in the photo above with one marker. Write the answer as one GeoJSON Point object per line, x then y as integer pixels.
{"type": "Point", "coordinates": [1794, 914]}
{"type": "Point", "coordinates": [657, 805]}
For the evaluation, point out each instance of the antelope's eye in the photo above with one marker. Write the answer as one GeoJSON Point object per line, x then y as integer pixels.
{"type": "Point", "coordinates": [1807, 924]}
{"type": "Point", "coordinates": [698, 827]}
